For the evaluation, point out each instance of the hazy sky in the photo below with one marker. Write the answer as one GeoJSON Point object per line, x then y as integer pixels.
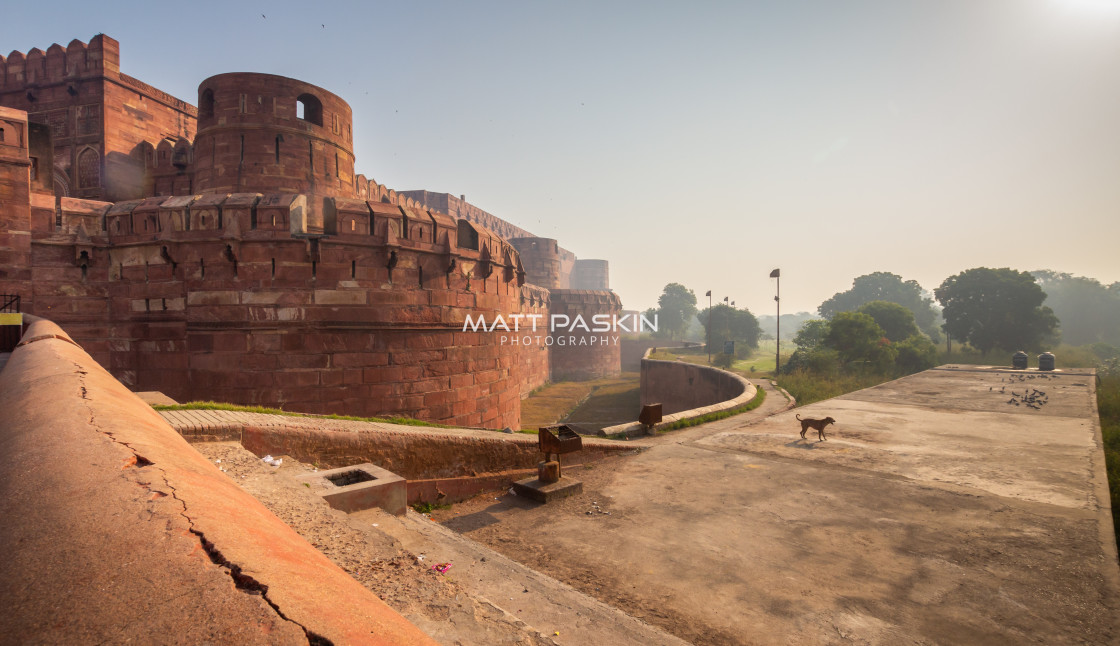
{"type": "Point", "coordinates": [701, 143]}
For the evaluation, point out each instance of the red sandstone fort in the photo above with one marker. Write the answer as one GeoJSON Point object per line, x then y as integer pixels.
{"type": "Point", "coordinates": [228, 251]}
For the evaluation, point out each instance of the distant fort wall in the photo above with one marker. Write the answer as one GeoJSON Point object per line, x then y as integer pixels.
{"type": "Point", "coordinates": [583, 354]}
{"type": "Point", "coordinates": [458, 207]}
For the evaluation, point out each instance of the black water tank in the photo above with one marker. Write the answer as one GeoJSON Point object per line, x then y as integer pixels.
{"type": "Point", "coordinates": [1046, 361]}
{"type": "Point", "coordinates": [1019, 360]}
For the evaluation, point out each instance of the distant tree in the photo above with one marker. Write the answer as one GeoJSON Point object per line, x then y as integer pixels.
{"type": "Point", "coordinates": [812, 334]}
{"type": "Point", "coordinates": [859, 339]}
{"type": "Point", "coordinates": [885, 286]}
{"type": "Point", "coordinates": [915, 354]}
{"type": "Point", "coordinates": [652, 316]}
{"type": "Point", "coordinates": [730, 324]}
{"type": "Point", "coordinates": [1088, 310]}
{"type": "Point", "coordinates": [790, 323]}
{"type": "Point", "coordinates": [996, 308]}
{"type": "Point", "coordinates": [897, 321]}
{"type": "Point", "coordinates": [675, 309]}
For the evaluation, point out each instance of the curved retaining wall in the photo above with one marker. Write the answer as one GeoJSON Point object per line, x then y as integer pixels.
{"type": "Point", "coordinates": [114, 525]}
{"type": "Point", "coordinates": [680, 386]}
{"type": "Point", "coordinates": [686, 391]}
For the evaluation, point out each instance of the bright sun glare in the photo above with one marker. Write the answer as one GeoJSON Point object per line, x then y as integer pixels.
{"type": "Point", "coordinates": [1103, 6]}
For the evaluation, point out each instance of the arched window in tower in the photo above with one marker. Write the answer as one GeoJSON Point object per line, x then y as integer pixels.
{"type": "Point", "coordinates": [89, 169]}
{"type": "Point", "coordinates": [308, 108]}
{"type": "Point", "coordinates": [206, 104]}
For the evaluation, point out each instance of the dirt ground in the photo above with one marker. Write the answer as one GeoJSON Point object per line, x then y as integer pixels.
{"type": "Point", "coordinates": [436, 603]}
{"type": "Point", "coordinates": [510, 525]}
{"type": "Point", "coordinates": [934, 513]}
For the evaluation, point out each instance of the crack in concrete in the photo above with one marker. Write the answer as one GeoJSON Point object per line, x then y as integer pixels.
{"type": "Point", "coordinates": [241, 581]}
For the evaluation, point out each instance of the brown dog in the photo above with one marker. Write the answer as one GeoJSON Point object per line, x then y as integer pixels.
{"type": "Point", "coordinates": [818, 424]}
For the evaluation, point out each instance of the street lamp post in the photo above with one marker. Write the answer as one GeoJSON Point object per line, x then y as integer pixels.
{"type": "Point", "coordinates": [709, 326]}
{"type": "Point", "coordinates": [726, 299]}
{"type": "Point", "coordinates": [777, 273]}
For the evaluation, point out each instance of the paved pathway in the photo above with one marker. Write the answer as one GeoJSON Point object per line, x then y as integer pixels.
{"type": "Point", "coordinates": [777, 401]}
{"type": "Point", "coordinates": [229, 423]}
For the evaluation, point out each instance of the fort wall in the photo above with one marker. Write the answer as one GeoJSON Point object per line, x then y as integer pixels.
{"type": "Point", "coordinates": [459, 207]}
{"type": "Point", "coordinates": [248, 263]}
{"type": "Point", "coordinates": [15, 202]}
{"type": "Point", "coordinates": [542, 260]}
{"type": "Point", "coordinates": [102, 122]}
{"type": "Point", "coordinates": [367, 320]}
{"type": "Point", "coordinates": [591, 274]}
{"type": "Point", "coordinates": [583, 354]}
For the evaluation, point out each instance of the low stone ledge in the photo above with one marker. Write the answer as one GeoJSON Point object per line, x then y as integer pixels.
{"type": "Point", "coordinates": [747, 392]}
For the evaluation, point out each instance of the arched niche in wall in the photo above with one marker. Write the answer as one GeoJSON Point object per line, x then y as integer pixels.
{"type": "Point", "coordinates": [89, 168]}
{"type": "Point", "coordinates": [206, 104]}
{"type": "Point", "coordinates": [309, 108]}
{"type": "Point", "coordinates": [62, 184]}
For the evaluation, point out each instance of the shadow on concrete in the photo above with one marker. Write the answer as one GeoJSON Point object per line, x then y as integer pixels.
{"type": "Point", "coordinates": [806, 443]}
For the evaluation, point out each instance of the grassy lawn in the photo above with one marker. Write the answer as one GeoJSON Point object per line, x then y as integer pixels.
{"type": "Point", "coordinates": [610, 404]}
{"type": "Point", "coordinates": [590, 403]}
{"type": "Point", "coordinates": [760, 363]}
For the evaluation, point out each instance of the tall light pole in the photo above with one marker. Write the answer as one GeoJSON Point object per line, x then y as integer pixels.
{"type": "Point", "coordinates": [709, 326]}
{"type": "Point", "coordinates": [777, 273]}
{"type": "Point", "coordinates": [726, 300]}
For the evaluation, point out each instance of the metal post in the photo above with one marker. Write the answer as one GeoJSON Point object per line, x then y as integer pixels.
{"type": "Point", "coordinates": [777, 273]}
{"type": "Point", "coordinates": [709, 326]}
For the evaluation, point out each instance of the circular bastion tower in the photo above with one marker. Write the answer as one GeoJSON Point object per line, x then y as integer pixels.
{"type": "Point", "coordinates": [260, 133]}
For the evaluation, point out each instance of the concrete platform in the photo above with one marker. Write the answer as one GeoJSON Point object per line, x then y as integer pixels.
{"type": "Point", "coordinates": [362, 486]}
{"type": "Point", "coordinates": [935, 513]}
{"type": "Point", "coordinates": [155, 398]}
{"type": "Point", "coordinates": [542, 492]}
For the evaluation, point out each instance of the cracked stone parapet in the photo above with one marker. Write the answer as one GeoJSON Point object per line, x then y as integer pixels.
{"type": "Point", "coordinates": [114, 526]}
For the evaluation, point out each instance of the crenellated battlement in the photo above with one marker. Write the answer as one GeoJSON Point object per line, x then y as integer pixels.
{"type": "Point", "coordinates": [77, 60]}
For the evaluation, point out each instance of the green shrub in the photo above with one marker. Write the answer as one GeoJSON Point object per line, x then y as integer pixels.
{"type": "Point", "coordinates": [821, 360]}
{"type": "Point", "coordinates": [807, 386]}
{"type": "Point", "coordinates": [915, 354]}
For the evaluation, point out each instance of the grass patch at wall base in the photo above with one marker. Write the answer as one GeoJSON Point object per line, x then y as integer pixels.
{"type": "Point", "coordinates": [264, 410]}
{"type": "Point", "coordinates": [754, 403]}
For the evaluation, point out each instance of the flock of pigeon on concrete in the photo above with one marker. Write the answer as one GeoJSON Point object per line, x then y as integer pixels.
{"type": "Point", "coordinates": [1023, 393]}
